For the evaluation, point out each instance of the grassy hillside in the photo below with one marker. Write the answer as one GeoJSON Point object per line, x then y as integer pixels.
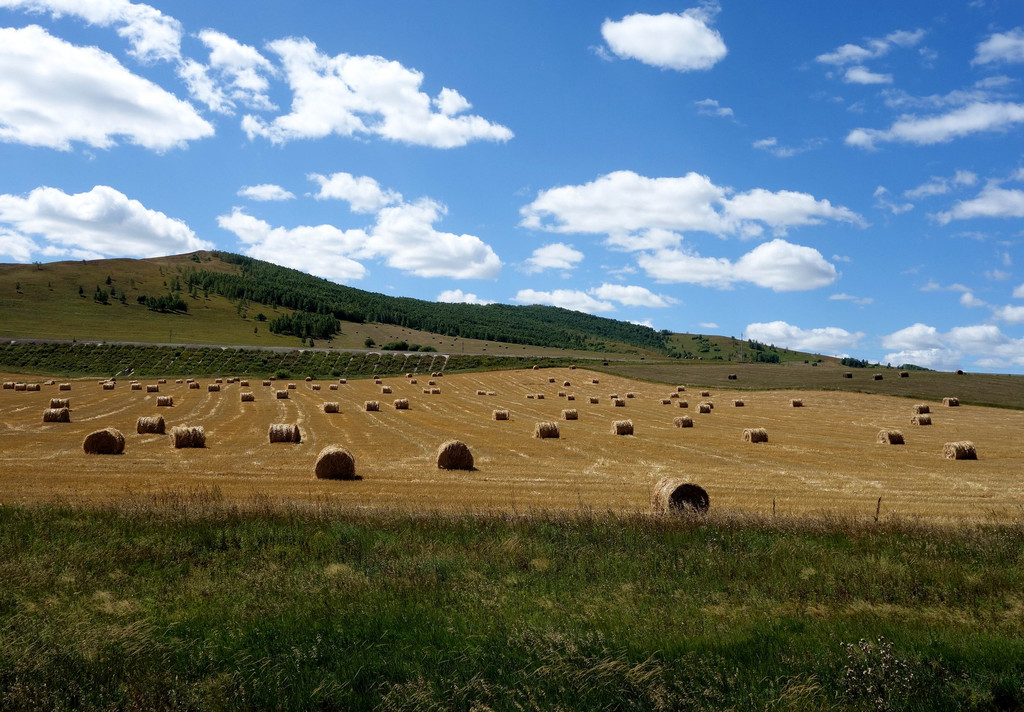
{"type": "Point", "coordinates": [183, 602]}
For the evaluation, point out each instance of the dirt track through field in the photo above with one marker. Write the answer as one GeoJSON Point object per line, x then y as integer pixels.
{"type": "Point", "coordinates": [819, 457]}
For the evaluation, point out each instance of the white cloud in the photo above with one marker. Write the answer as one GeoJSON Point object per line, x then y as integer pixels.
{"type": "Point", "coordinates": [237, 74]}
{"type": "Point", "coordinates": [772, 146]}
{"type": "Point", "coordinates": [976, 117]}
{"type": "Point", "coordinates": [151, 34]}
{"type": "Point", "coordinates": [1018, 291]}
{"type": "Point", "coordinates": [777, 265]}
{"type": "Point", "coordinates": [997, 275]}
{"type": "Point", "coordinates": [941, 186]}
{"type": "Point", "coordinates": [842, 297]}
{"type": "Point", "coordinates": [967, 299]}
{"type": "Point", "coordinates": [556, 255]}
{"type": "Point", "coordinates": [938, 358]}
{"type": "Point", "coordinates": [684, 42]}
{"type": "Point", "coordinates": [53, 93]}
{"type": "Point", "coordinates": [711, 107]}
{"type": "Point", "coordinates": [265, 191]}
{"type": "Point", "coordinates": [640, 213]}
{"type": "Point", "coordinates": [916, 336]}
{"type": "Point", "coordinates": [1001, 47]}
{"type": "Point", "coordinates": [883, 203]}
{"type": "Point", "coordinates": [824, 340]}
{"type": "Point", "coordinates": [991, 202]}
{"type": "Point", "coordinates": [320, 250]}
{"type": "Point", "coordinates": [925, 346]}
{"type": "Point", "coordinates": [565, 298]}
{"type": "Point", "coordinates": [100, 223]}
{"type": "Point", "coordinates": [363, 194]}
{"type": "Point", "coordinates": [351, 95]}
{"type": "Point", "coordinates": [1011, 314]}
{"type": "Point", "coordinates": [863, 75]}
{"type": "Point", "coordinates": [16, 246]}
{"type": "Point", "coordinates": [457, 296]}
{"type": "Point", "coordinates": [708, 325]}
{"type": "Point", "coordinates": [631, 296]}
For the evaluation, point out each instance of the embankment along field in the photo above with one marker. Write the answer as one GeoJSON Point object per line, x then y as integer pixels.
{"type": "Point", "coordinates": [819, 457]}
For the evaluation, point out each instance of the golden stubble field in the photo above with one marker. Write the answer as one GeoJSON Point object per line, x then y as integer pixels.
{"type": "Point", "coordinates": [822, 457]}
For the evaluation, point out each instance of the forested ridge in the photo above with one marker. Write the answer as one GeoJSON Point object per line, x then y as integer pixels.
{"type": "Point", "coordinates": [272, 285]}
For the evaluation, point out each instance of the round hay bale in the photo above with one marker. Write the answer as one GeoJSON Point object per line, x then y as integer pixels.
{"type": "Point", "coordinates": [308, 379]}
{"type": "Point", "coordinates": [285, 433]}
{"type": "Point", "coordinates": [705, 394]}
{"type": "Point", "coordinates": [332, 386]}
{"type": "Point", "coordinates": [408, 375]}
{"type": "Point", "coordinates": [190, 380]}
{"type": "Point", "coordinates": [594, 381]}
{"type": "Point", "coordinates": [666, 401]}
{"type": "Point", "coordinates": [921, 420]}
{"type": "Point", "coordinates": [377, 381]}
{"type": "Point", "coordinates": [401, 404]}
{"type": "Point", "coordinates": [49, 383]}
{"type": "Point", "coordinates": [737, 404]}
{"type": "Point", "coordinates": [194, 385]}
{"type": "Point", "coordinates": [530, 396]}
{"type": "Point", "coordinates": [426, 391]}
{"type": "Point", "coordinates": [847, 375]}
{"type": "Point", "coordinates": [680, 389]}
{"type": "Point", "coordinates": [561, 394]}
{"type": "Point", "coordinates": [545, 430]}
{"type": "Point", "coordinates": [922, 408]}
{"type": "Point", "coordinates": [161, 381]}
{"type": "Point", "coordinates": [33, 387]}
{"type": "Point", "coordinates": [570, 414]}
{"type": "Point", "coordinates": [622, 427]}
{"type": "Point", "coordinates": [951, 402]}
{"type": "Point", "coordinates": [104, 442]}
{"type": "Point", "coordinates": [332, 407]}
{"type": "Point", "coordinates": [291, 386]}
{"type": "Point", "coordinates": [630, 395]}
{"type": "Point", "coordinates": [731, 377]}
{"type": "Point", "coordinates": [673, 396]}
{"type": "Point", "coordinates": [315, 386]}
{"type": "Point", "coordinates": [60, 402]}
{"type": "Point", "coordinates": [282, 395]}
{"type": "Point", "coordinates": [572, 368]}
{"type": "Point", "coordinates": [755, 435]}
{"type": "Point", "coordinates": [437, 392]}
{"type": "Point", "coordinates": [248, 397]}
{"type": "Point", "coordinates": [674, 496]}
{"type": "Point", "coordinates": [481, 393]}
{"type": "Point", "coordinates": [540, 396]}
{"type": "Point", "coordinates": [108, 386]}
{"type": "Point", "coordinates": [613, 395]}
{"type": "Point", "coordinates": [335, 463]}
{"type": "Point", "coordinates": [904, 374]}
{"type": "Point", "coordinates": [218, 380]}
{"type": "Point", "coordinates": [147, 425]}
{"type": "Point", "coordinates": [213, 388]}
{"type": "Point", "coordinates": [385, 390]}
{"type": "Point", "coordinates": [165, 401]}
{"type": "Point", "coordinates": [371, 406]}
{"type": "Point", "coordinates": [551, 380]}
{"type": "Point", "coordinates": [178, 380]}
{"type": "Point", "coordinates": [187, 436]}
{"type": "Point", "coordinates": [265, 383]}
{"type": "Point", "coordinates": [566, 384]}
{"type": "Point", "coordinates": [684, 404]}
{"type": "Point", "coordinates": [683, 421]}
{"type": "Point", "coordinates": [536, 368]}
{"type": "Point", "coordinates": [57, 415]}
{"type": "Point", "coordinates": [135, 386]}
{"type": "Point", "coordinates": [704, 408]}
{"type": "Point", "coordinates": [64, 387]}
{"type": "Point", "coordinates": [877, 377]}
{"type": "Point", "coordinates": [431, 383]}
{"type": "Point", "coordinates": [959, 372]}
{"type": "Point", "coordinates": [24, 386]}
{"type": "Point", "coordinates": [413, 382]}
{"type": "Point", "coordinates": [244, 384]}
{"type": "Point", "coordinates": [797, 403]}
{"type": "Point", "coordinates": [593, 400]}
{"type": "Point", "coordinates": [961, 450]}
{"type": "Point", "coordinates": [9, 385]}
{"type": "Point", "coordinates": [499, 414]}
{"type": "Point", "coordinates": [342, 381]}
{"type": "Point", "coordinates": [890, 437]}
{"type": "Point", "coordinates": [618, 402]}
{"type": "Point", "coordinates": [570, 397]}
{"type": "Point", "coordinates": [454, 455]}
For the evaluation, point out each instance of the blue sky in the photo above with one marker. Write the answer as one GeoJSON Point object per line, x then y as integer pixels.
{"type": "Point", "coordinates": [835, 178]}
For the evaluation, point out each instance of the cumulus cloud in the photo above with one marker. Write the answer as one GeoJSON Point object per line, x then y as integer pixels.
{"type": "Point", "coordinates": [882, 202]}
{"type": "Point", "coordinates": [777, 265]}
{"type": "Point", "coordinates": [53, 93]}
{"type": "Point", "coordinates": [631, 296]}
{"type": "Point", "coordinates": [819, 340]}
{"type": "Point", "coordinates": [320, 250]}
{"type": "Point", "coordinates": [556, 255]}
{"type": "Point", "coordinates": [860, 301]}
{"type": "Point", "coordinates": [863, 75]}
{"type": "Point", "coordinates": [16, 246]}
{"type": "Point", "coordinates": [403, 235]}
{"type": "Point", "coordinates": [1001, 47]}
{"type": "Point", "coordinates": [640, 213]}
{"type": "Point", "coordinates": [151, 34]}
{"type": "Point", "coordinates": [926, 346]}
{"type": "Point", "coordinates": [351, 95]}
{"type": "Point", "coordinates": [711, 107]}
{"type": "Point", "coordinates": [941, 186]}
{"type": "Point", "coordinates": [265, 192]}
{"type": "Point", "coordinates": [572, 299]}
{"type": "Point", "coordinates": [977, 117]}
{"type": "Point", "coordinates": [362, 193]}
{"type": "Point", "coordinates": [992, 202]}
{"type": "Point", "coordinates": [1018, 291]}
{"type": "Point", "coordinates": [102, 222]}
{"type": "Point", "coordinates": [873, 48]}
{"type": "Point", "coordinates": [684, 42]}
{"type": "Point", "coordinates": [1010, 313]}
{"type": "Point", "coordinates": [967, 299]}
{"type": "Point", "coordinates": [236, 74]}
{"type": "Point", "coordinates": [824, 340]}
{"type": "Point", "coordinates": [457, 296]}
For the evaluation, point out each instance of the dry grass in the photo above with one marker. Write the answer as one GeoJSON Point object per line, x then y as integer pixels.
{"type": "Point", "coordinates": [821, 458]}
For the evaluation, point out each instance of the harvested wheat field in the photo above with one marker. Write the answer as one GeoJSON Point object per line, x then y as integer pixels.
{"type": "Point", "coordinates": [823, 456]}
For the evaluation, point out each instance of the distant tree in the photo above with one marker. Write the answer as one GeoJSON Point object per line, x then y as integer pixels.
{"type": "Point", "coordinates": [108, 280]}
{"type": "Point", "coordinates": [368, 343]}
{"type": "Point", "coordinates": [261, 317]}
{"type": "Point", "coordinates": [17, 286]}
{"type": "Point", "coordinates": [81, 291]}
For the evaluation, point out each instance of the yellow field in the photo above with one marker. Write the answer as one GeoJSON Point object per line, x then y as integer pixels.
{"type": "Point", "coordinates": [822, 457]}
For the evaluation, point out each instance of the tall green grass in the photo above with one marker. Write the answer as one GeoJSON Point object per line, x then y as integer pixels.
{"type": "Point", "coordinates": [186, 602]}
